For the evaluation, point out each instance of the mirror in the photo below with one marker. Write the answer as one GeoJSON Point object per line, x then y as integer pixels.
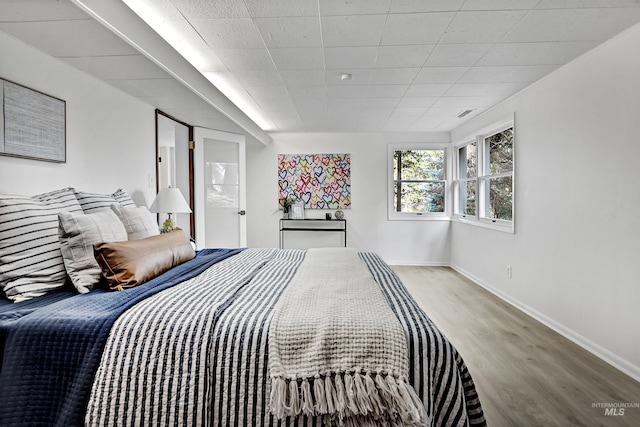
{"type": "Point", "coordinates": [174, 164]}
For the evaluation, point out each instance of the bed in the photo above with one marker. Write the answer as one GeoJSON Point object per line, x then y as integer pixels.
{"type": "Point", "coordinates": [195, 345]}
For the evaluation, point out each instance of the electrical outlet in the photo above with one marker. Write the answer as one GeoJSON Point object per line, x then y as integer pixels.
{"type": "Point", "coordinates": [509, 271]}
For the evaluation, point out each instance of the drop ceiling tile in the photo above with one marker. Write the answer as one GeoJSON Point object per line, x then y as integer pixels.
{"type": "Point", "coordinates": [351, 103]}
{"type": "Point", "coordinates": [249, 78]}
{"type": "Point", "coordinates": [383, 102]}
{"type": "Point", "coordinates": [534, 53]}
{"type": "Point", "coordinates": [306, 92]}
{"type": "Point", "coordinates": [387, 91]}
{"type": "Point", "coordinates": [288, 123]}
{"type": "Point", "coordinates": [481, 27]}
{"type": "Point", "coordinates": [415, 6]}
{"type": "Point", "coordinates": [342, 91]}
{"type": "Point", "coordinates": [456, 55]}
{"type": "Point", "coordinates": [416, 28]}
{"type": "Point", "coordinates": [399, 123]}
{"type": "Point", "coordinates": [411, 111]}
{"type": "Point", "coordinates": [354, 30]}
{"type": "Point", "coordinates": [498, 4]}
{"type": "Point", "coordinates": [203, 9]}
{"type": "Point", "coordinates": [290, 31]}
{"type": "Point", "coordinates": [229, 33]}
{"type": "Point", "coordinates": [403, 56]}
{"type": "Point", "coordinates": [274, 102]}
{"type": "Point", "coordinates": [394, 76]}
{"type": "Point", "coordinates": [506, 74]}
{"type": "Point", "coordinates": [298, 58]}
{"type": "Point", "coordinates": [376, 111]}
{"type": "Point", "coordinates": [362, 7]}
{"type": "Point", "coordinates": [463, 102]}
{"type": "Point", "coordinates": [571, 4]}
{"type": "Point", "coordinates": [497, 90]}
{"type": "Point", "coordinates": [428, 123]}
{"type": "Point", "coordinates": [60, 38]}
{"type": "Point", "coordinates": [417, 102]}
{"type": "Point", "coordinates": [245, 59]}
{"type": "Point", "coordinates": [427, 90]}
{"type": "Point", "coordinates": [572, 25]}
{"type": "Point", "coordinates": [440, 74]}
{"type": "Point", "coordinates": [313, 112]}
{"type": "Point", "coordinates": [338, 58]}
{"type": "Point", "coordinates": [280, 8]}
{"type": "Point", "coordinates": [624, 3]}
{"type": "Point", "coordinates": [302, 77]}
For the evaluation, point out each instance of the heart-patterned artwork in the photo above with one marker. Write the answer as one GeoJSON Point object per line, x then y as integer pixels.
{"type": "Point", "coordinates": [320, 181]}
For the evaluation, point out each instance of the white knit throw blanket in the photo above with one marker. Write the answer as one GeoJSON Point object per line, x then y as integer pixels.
{"type": "Point", "coordinates": [337, 350]}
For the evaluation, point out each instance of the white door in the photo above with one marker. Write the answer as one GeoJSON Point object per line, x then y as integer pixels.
{"type": "Point", "coordinates": [219, 187]}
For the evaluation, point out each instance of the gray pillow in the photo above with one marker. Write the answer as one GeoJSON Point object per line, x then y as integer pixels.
{"type": "Point", "coordinates": [138, 222]}
{"type": "Point", "coordinates": [78, 233]}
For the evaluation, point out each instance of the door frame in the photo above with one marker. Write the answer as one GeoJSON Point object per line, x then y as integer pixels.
{"type": "Point", "coordinates": [192, 224]}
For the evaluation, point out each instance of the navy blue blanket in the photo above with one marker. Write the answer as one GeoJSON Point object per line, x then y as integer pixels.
{"type": "Point", "coordinates": [51, 349]}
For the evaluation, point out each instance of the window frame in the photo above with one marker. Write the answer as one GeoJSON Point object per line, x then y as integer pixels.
{"type": "Point", "coordinates": [483, 179]}
{"type": "Point", "coordinates": [392, 215]}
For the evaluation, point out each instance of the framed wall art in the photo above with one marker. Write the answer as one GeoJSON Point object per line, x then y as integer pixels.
{"type": "Point", "coordinates": [319, 181]}
{"type": "Point", "coordinates": [32, 124]}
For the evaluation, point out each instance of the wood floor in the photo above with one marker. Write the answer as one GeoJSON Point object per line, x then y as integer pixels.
{"type": "Point", "coordinates": [525, 373]}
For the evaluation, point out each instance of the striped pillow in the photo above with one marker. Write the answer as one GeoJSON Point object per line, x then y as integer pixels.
{"type": "Point", "coordinates": [123, 198]}
{"type": "Point", "coordinates": [94, 202]}
{"type": "Point", "coordinates": [30, 259]}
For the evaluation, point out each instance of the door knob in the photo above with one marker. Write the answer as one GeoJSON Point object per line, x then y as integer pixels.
{"type": "Point", "coordinates": [242, 212]}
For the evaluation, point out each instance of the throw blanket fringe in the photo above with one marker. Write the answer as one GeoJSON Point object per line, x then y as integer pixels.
{"type": "Point", "coordinates": [336, 350]}
{"type": "Point", "coordinates": [352, 396]}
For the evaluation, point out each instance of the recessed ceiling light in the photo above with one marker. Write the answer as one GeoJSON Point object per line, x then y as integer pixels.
{"type": "Point", "coordinates": [346, 76]}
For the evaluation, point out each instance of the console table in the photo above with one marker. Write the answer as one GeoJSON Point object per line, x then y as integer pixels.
{"type": "Point", "coordinates": [314, 225]}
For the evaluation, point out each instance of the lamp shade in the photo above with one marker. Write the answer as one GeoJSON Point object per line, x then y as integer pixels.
{"type": "Point", "coordinates": [170, 200]}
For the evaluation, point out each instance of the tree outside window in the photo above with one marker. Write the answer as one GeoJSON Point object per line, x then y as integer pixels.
{"type": "Point", "coordinates": [419, 181]}
{"type": "Point", "coordinates": [498, 175]}
{"type": "Point", "coordinates": [484, 179]}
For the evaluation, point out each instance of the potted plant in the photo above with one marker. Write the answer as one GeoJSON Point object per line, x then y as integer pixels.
{"type": "Point", "coordinates": [286, 206]}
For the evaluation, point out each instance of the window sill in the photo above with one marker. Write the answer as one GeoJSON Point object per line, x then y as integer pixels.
{"type": "Point", "coordinates": [418, 217]}
{"type": "Point", "coordinates": [503, 226]}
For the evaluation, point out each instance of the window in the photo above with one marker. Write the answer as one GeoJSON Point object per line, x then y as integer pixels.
{"type": "Point", "coordinates": [418, 183]}
{"type": "Point", "coordinates": [467, 161]}
{"type": "Point", "coordinates": [484, 178]}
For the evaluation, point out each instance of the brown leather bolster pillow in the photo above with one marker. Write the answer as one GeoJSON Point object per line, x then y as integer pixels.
{"type": "Point", "coordinates": [130, 263]}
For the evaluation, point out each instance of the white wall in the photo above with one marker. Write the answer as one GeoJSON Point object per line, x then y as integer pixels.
{"type": "Point", "coordinates": [110, 135]}
{"type": "Point", "coordinates": [576, 248]}
{"type": "Point", "coordinates": [398, 242]}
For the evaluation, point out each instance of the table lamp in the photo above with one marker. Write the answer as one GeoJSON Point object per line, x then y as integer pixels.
{"type": "Point", "coordinates": [169, 200]}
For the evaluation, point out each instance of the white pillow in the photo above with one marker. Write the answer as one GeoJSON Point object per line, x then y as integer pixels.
{"type": "Point", "coordinates": [30, 260]}
{"type": "Point", "coordinates": [138, 222]}
{"type": "Point", "coordinates": [78, 233]}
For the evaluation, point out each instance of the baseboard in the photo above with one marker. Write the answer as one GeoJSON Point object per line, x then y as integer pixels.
{"type": "Point", "coordinates": [418, 263]}
{"type": "Point", "coordinates": [612, 359]}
